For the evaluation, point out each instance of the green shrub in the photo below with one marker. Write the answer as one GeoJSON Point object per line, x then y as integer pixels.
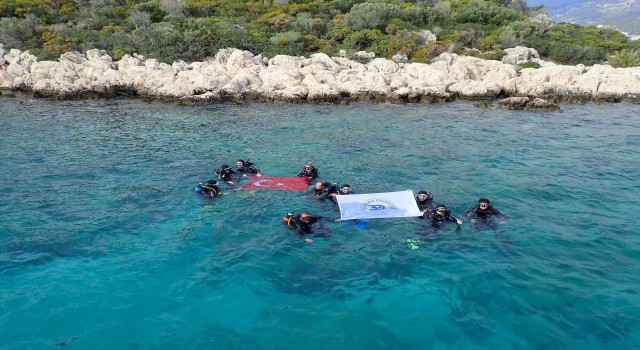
{"type": "Point", "coordinates": [314, 44]}
{"type": "Point", "coordinates": [419, 15]}
{"type": "Point", "coordinates": [567, 53]}
{"type": "Point", "coordinates": [54, 44]}
{"type": "Point", "coordinates": [362, 39]}
{"type": "Point", "coordinates": [285, 38]}
{"type": "Point", "coordinates": [153, 9]}
{"type": "Point", "coordinates": [463, 51]}
{"type": "Point", "coordinates": [370, 15]}
{"type": "Point", "coordinates": [576, 54]}
{"type": "Point", "coordinates": [494, 54]}
{"type": "Point", "coordinates": [529, 65]}
{"type": "Point", "coordinates": [471, 38]}
{"type": "Point", "coordinates": [343, 5]}
{"type": "Point", "coordinates": [625, 58]}
{"type": "Point", "coordinates": [443, 11]}
{"type": "Point", "coordinates": [23, 8]}
{"type": "Point", "coordinates": [431, 50]}
{"type": "Point", "coordinates": [488, 42]}
{"type": "Point", "coordinates": [509, 39]}
{"type": "Point", "coordinates": [20, 34]}
{"type": "Point", "coordinates": [293, 49]}
{"type": "Point", "coordinates": [396, 25]}
{"type": "Point", "coordinates": [388, 46]}
{"type": "Point", "coordinates": [338, 33]}
{"type": "Point", "coordinates": [484, 12]}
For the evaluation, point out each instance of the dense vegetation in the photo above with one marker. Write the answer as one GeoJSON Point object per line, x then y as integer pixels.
{"type": "Point", "coordinates": [192, 30]}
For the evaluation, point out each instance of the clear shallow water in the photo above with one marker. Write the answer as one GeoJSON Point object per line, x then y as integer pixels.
{"type": "Point", "coordinates": [103, 243]}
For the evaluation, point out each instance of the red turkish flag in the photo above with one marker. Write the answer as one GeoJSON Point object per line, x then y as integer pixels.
{"type": "Point", "coordinates": [292, 183]}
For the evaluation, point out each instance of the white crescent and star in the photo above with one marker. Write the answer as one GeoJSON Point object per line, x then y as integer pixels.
{"type": "Point", "coordinates": [259, 183]}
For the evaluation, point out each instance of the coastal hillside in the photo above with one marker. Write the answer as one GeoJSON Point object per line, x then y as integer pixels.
{"type": "Point", "coordinates": [406, 31]}
{"type": "Point", "coordinates": [623, 14]}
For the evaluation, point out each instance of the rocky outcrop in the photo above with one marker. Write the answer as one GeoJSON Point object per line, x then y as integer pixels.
{"type": "Point", "coordinates": [521, 54]}
{"type": "Point", "coordinates": [240, 75]}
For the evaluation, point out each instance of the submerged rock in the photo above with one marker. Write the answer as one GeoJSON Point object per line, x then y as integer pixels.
{"type": "Point", "coordinates": [528, 104]}
{"type": "Point", "coordinates": [484, 105]}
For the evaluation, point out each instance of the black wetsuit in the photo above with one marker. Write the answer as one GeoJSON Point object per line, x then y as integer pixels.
{"type": "Point", "coordinates": [227, 175]}
{"type": "Point", "coordinates": [209, 190]}
{"type": "Point", "coordinates": [311, 174]}
{"type": "Point", "coordinates": [479, 213]}
{"type": "Point", "coordinates": [327, 189]}
{"type": "Point", "coordinates": [303, 227]}
{"type": "Point", "coordinates": [425, 205]}
{"type": "Point", "coordinates": [481, 217]}
{"type": "Point", "coordinates": [248, 168]}
{"type": "Point", "coordinates": [440, 220]}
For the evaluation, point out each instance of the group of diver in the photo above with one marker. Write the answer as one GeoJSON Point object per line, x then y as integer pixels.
{"type": "Point", "coordinates": [437, 215]}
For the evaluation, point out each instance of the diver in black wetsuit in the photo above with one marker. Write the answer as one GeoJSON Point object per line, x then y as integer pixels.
{"type": "Point", "coordinates": [345, 189]}
{"type": "Point", "coordinates": [246, 167]}
{"type": "Point", "coordinates": [424, 200]}
{"type": "Point", "coordinates": [485, 212]}
{"type": "Point", "coordinates": [302, 223]}
{"type": "Point", "coordinates": [309, 171]}
{"type": "Point", "coordinates": [226, 174]}
{"type": "Point", "coordinates": [210, 189]}
{"type": "Point", "coordinates": [440, 216]}
{"type": "Point", "coordinates": [326, 189]}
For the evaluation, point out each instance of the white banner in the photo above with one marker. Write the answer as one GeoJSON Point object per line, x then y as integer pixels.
{"type": "Point", "coordinates": [378, 205]}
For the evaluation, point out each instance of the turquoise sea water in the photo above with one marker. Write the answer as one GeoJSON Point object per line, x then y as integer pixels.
{"type": "Point", "coordinates": [104, 244]}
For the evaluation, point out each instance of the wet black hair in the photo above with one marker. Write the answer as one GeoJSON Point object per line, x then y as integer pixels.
{"type": "Point", "coordinates": [213, 182]}
{"type": "Point", "coordinates": [484, 200]}
{"type": "Point", "coordinates": [441, 206]}
{"type": "Point", "coordinates": [344, 185]}
{"type": "Point", "coordinates": [423, 192]}
{"type": "Point", "coordinates": [240, 160]}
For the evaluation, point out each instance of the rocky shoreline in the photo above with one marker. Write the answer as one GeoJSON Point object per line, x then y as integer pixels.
{"type": "Point", "coordinates": [237, 75]}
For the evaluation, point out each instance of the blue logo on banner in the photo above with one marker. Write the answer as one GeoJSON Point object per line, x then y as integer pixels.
{"type": "Point", "coordinates": [379, 207]}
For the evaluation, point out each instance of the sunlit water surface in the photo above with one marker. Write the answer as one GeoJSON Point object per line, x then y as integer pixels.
{"type": "Point", "coordinates": [105, 245]}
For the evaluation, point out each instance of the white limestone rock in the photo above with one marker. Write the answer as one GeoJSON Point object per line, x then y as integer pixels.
{"type": "Point", "coordinates": [6, 80]}
{"type": "Point", "coordinates": [424, 37]}
{"type": "Point", "coordinates": [550, 80]}
{"type": "Point", "coordinates": [347, 64]}
{"type": "Point", "coordinates": [12, 55]}
{"type": "Point", "coordinates": [617, 81]}
{"type": "Point", "coordinates": [240, 61]}
{"type": "Point", "coordinates": [520, 54]}
{"type": "Point", "coordinates": [382, 66]}
{"type": "Point", "coordinates": [400, 57]}
{"type": "Point", "coordinates": [322, 92]}
{"type": "Point", "coordinates": [425, 73]}
{"type": "Point", "coordinates": [288, 63]}
{"type": "Point", "coordinates": [317, 78]}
